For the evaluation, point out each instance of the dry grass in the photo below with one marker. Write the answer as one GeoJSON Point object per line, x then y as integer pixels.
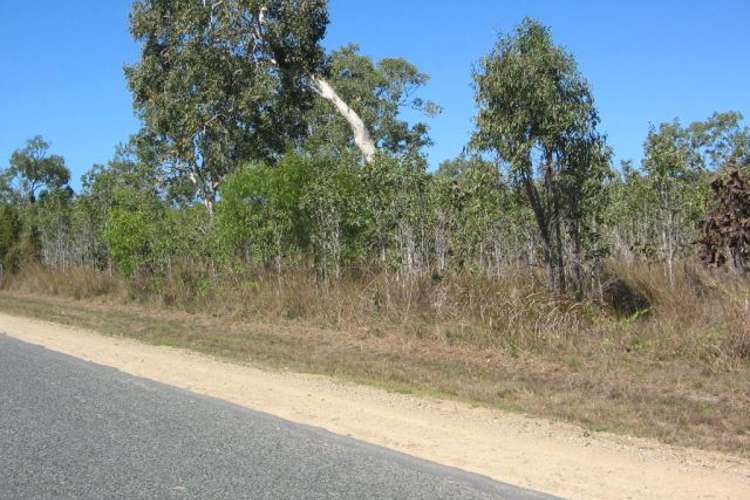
{"type": "Point", "coordinates": [680, 373]}
{"type": "Point", "coordinates": [76, 283]}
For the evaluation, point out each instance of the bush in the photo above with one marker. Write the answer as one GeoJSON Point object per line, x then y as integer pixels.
{"type": "Point", "coordinates": [10, 230]}
{"type": "Point", "coordinates": [132, 229]}
{"type": "Point", "coordinates": [259, 217]}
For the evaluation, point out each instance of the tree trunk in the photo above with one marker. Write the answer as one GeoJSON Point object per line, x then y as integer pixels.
{"type": "Point", "coordinates": [362, 137]}
{"type": "Point", "coordinates": [206, 190]}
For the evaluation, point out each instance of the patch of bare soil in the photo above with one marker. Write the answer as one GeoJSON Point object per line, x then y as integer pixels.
{"type": "Point", "coordinates": [535, 453]}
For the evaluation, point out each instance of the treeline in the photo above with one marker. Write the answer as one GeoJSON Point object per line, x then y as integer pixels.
{"type": "Point", "coordinates": [260, 153]}
{"type": "Point", "coordinates": [334, 213]}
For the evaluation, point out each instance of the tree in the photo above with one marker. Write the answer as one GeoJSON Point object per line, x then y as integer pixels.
{"type": "Point", "coordinates": [335, 204]}
{"type": "Point", "coordinates": [52, 219]}
{"type": "Point", "coordinates": [378, 92]}
{"type": "Point", "coordinates": [674, 170]}
{"type": "Point", "coordinates": [537, 114]}
{"type": "Point", "coordinates": [219, 83]}
{"type": "Point", "coordinates": [100, 185]}
{"type": "Point", "coordinates": [33, 168]}
{"type": "Point", "coordinates": [7, 194]}
{"type": "Point", "coordinates": [630, 214]}
{"type": "Point", "coordinates": [133, 230]}
{"type": "Point", "coordinates": [222, 83]}
{"type": "Point", "coordinates": [477, 221]}
{"type": "Point", "coordinates": [395, 206]}
{"type": "Point", "coordinates": [721, 140]}
{"type": "Point", "coordinates": [259, 215]}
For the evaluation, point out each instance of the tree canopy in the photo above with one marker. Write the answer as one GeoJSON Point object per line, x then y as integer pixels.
{"type": "Point", "coordinates": [33, 169]}
{"type": "Point", "coordinates": [218, 83]}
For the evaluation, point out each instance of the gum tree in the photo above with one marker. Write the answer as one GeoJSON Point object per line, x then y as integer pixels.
{"type": "Point", "coordinates": [222, 82]}
{"type": "Point", "coordinates": [33, 169]}
{"type": "Point", "coordinates": [537, 114]}
{"type": "Point", "coordinates": [673, 168]}
{"type": "Point", "coordinates": [379, 91]}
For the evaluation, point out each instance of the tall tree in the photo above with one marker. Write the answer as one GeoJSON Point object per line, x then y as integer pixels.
{"type": "Point", "coordinates": [721, 140]}
{"type": "Point", "coordinates": [219, 83]}
{"type": "Point", "coordinates": [674, 170]}
{"type": "Point", "coordinates": [379, 91]}
{"type": "Point", "coordinates": [10, 230]}
{"type": "Point", "coordinates": [34, 169]}
{"type": "Point", "coordinates": [537, 114]}
{"type": "Point", "coordinates": [223, 82]}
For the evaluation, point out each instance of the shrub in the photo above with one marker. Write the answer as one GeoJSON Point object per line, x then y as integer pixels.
{"type": "Point", "coordinates": [132, 229]}
{"type": "Point", "coordinates": [10, 230]}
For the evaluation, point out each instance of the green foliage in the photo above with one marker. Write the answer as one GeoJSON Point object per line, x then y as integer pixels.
{"type": "Point", "coordinates": [378, 91]}
{"type": "Point", "coordinates": [396, 204]}
{"type": "Point", "coordinates": [188, 235]}
{"type": "Point", "coordinates": [537, 114]}
{"type": "Point", "coordinates": [259, 215]}
{"type": "Point", "coordinates": [721, 140]}
{"type": "Point", "coordinates": [51, 218]}
{"type": "Point", "coordinates": [34, 169]}
{"type": "Point", "coordinates": [10, 231]}
{"type": "Point", "coordinates": [7, 194]}
{"type": "Point", "coordinates": [133, 230]}
{"type": "Point", "coordinates": [675, 173]}
{"type": "Point", "coordinates": [334, 203]}
{"type": "Point", "coordinates": [242, 163]}
{"type": "Point", "coordinates": [220, 83]}
{"type": "Point", "coordinates": [477, 216]}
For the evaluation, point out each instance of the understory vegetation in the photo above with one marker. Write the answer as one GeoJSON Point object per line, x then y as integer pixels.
{"type": "Point", "coordinates": [274, 182]}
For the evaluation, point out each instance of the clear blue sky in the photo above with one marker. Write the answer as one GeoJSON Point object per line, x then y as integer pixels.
{"type": "Point", "coordinates": [647, 61]}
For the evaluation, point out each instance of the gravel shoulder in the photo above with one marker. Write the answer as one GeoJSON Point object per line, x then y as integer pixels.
{"type": "Point", "coordinates": [543, 455]}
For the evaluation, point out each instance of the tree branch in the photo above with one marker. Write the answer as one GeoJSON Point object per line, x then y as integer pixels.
{"type": "Point", "coordinates": [362, 137]}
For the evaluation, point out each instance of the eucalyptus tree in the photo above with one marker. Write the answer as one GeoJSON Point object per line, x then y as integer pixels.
{"type": "Point", "coordinates": [7, 193]}
{"type": "Point", "coordinates": [100, 185]}
{"type": "Point", "coordinates": [32, 169]}
{"type": "Point", "coordinates": [721, 140]}
{"type": "Point", "coordinates": [259, 215]}
{"type": "Point", "coordinates": [379, 91]}
{"type": "Point", "coordinates": [537, 114]}
{"type": "Point", "coordinates": [630, 214]}
{"type": "Point", "coordinates": [674, 168]}
{"type": "Point", "coordinates": [52, 218]}
{"type": "Point", "coordinates": [478, 222]}
{"type": "Point", "coordinates": [335, 204]}
{"type": "Point", "coordinates": [222, 82]}
{"type": "Point", "coordinates": [395, 193]}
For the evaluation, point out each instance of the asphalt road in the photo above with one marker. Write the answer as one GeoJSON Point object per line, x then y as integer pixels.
{"type": "Point", "coordinates": [72, 429]}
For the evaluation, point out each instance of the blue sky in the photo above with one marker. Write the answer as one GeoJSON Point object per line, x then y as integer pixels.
{"type": "Point", "coordinates": [647, 62]}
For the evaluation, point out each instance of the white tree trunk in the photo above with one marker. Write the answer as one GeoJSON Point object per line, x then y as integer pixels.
{"type": "Point", "coordinates": [206, 190]}
{"type": "Point", "coordinates": [362, 137]}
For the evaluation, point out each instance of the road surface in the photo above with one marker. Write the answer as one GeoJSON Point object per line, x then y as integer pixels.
{"type": "Point", "coordinates": [72, 429]}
